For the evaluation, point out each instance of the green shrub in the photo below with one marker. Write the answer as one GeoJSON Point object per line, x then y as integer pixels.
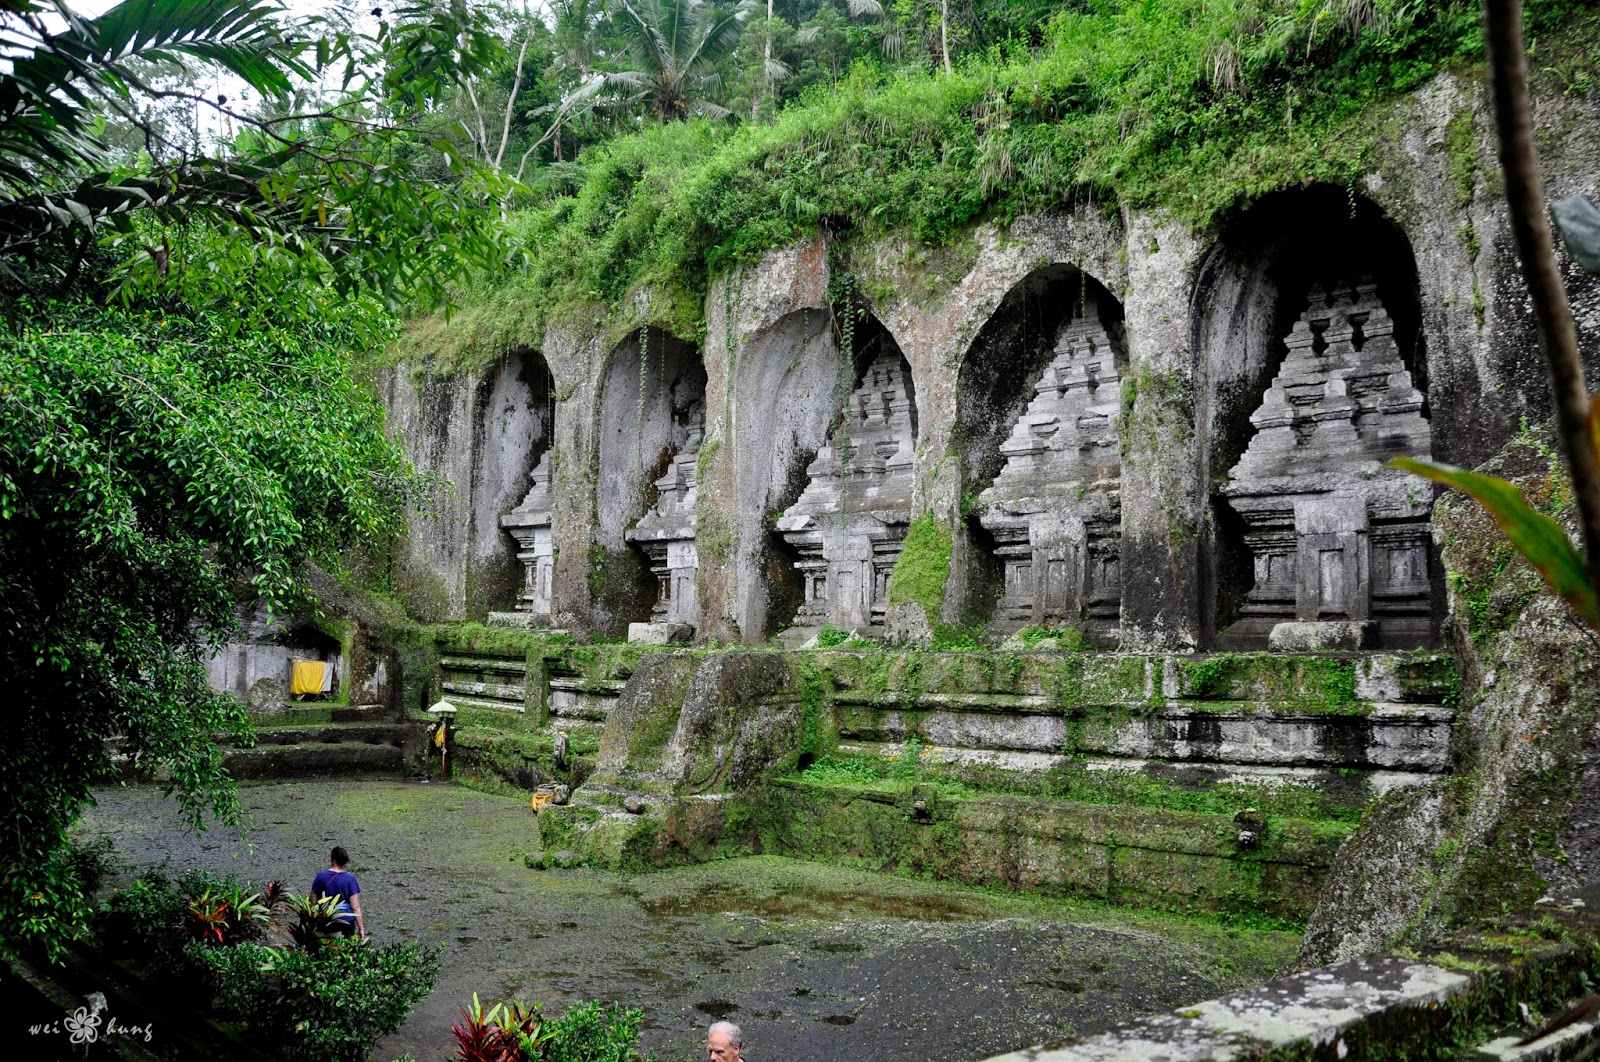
{"type": "Point", "coordinates": [596, 1032]}
{"type": "Point", "coordinates": [331, 1006]}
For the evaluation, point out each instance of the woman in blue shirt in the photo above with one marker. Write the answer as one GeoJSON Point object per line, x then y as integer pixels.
{"type": "Point", "coordinates": [337, 881]}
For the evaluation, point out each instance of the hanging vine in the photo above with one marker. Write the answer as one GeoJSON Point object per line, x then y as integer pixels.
{"type": "Point", "coordinates": [644, 381]}
{"type": "Point", "coordinates": [844, 305]}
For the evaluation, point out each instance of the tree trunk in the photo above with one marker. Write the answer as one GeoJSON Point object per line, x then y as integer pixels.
{"type": "Point", "coordinates": [1558, 335]}
{"type": "Point", "coordinates": [944, 32]}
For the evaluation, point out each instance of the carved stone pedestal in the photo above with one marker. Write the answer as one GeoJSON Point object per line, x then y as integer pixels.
{"type": "Point", "coordinates": [666, 535]}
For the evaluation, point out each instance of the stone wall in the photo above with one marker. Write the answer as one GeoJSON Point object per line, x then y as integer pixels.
{"type": "Point", "coordinates": [1196, 327]}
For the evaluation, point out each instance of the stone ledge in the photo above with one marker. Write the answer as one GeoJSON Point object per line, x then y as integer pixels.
{"type": "Point", "coordinates": [1461, 991]}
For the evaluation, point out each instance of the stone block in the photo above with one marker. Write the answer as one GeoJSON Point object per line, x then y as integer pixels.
{"type": "Point", "coordinates": [659, 633]}
{"type": "Point", "coordinates": [519, 621]}
{"type": "Point", "coordinates": [1310, 637]}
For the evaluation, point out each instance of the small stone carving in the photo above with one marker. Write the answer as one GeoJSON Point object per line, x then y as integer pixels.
{"type": "Point", "coordinates": [850, 522]}
{"type": "Point", "coordinates": [666, 535]}
{"type": "Point", "coordinates": [529, 524]}
{"type": "Point", "coordinates": [1055, 509]}
{"type": "Point", "coordinates": [1340, 543]}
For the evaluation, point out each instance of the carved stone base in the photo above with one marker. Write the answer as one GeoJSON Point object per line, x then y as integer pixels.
{"type": "Point", "coordinates": [659, 633]}
{"type": "Point", "coordinates": [1323, 634]}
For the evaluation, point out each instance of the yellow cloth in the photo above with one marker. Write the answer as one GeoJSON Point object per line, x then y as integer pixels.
{"type": "Point", "coordinates": [438, 737]}
{"type": "Point", "coordinates": [306, 676]}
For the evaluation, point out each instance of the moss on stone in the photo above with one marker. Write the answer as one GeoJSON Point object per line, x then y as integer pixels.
{"type": "Point", "coordinates": [923, 567]}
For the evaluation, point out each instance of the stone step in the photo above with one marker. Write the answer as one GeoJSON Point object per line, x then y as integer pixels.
{"type": "Point", "coordinates": [1410, 741]}
{"type": "Point", "coordinates": [1344, 787]}
{"type": "Point", "coordinates": [374, 732]}
{"type": "Point", "coordinates": [1375, 1007]}
{"type": "Point", "coordinates": [1575, 1041]}
{"type": "Point", "coordinates": [315, 758]}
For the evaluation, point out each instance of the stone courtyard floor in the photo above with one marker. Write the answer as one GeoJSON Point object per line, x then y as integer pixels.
{"type": "Point", "coordinates": [815, 962]}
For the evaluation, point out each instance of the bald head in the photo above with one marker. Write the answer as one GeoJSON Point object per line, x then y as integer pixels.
{"type": "Point", "coordinates": [724, 1040]}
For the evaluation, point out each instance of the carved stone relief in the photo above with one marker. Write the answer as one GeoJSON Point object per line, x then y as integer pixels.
{"type": "Point", "coordinates": [850, 522]}
{"type": "Point", "coordinates": [529, 524]}
{"type": "Point", "coordinates": [1055, 508]}
{"type": "Point", "coordinates": [1339, 543]}
{"type": "Point", "coordinates": [666, 535]}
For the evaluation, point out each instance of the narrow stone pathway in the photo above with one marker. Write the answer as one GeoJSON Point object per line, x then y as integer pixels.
{"type": "Point", "coordinates": [815, 962]}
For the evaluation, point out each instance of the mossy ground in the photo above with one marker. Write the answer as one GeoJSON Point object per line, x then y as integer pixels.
{"type": "Point", "coordinates": [790, 950]}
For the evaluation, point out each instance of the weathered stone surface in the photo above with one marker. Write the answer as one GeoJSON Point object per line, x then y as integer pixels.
{"type": "Point", "coordinates": [1517, 824]}
{"type": "Point", "coordinates": [850, 521]}
{"type": "Point", "coordinates": [1321, 635]}
{"type": "Point", "coordinates": [659, 633]}
{"type": "Point", "coordinates": [666, 534]}
{"type": "Point", "coordinates": [1316, 1010]}
{"type": "Point", "coordinates": [1055, 509]}
{"type": "Point", "coordinates": [1333, 534]}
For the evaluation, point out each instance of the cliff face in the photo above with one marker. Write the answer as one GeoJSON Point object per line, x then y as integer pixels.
{"type": "Point", "coordinates": [949, 372]}
{"type": "Point", "coordinates": [1517, 824]}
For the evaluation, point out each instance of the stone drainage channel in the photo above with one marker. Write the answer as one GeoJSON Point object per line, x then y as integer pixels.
{"type": "Point", "coordinates": [815, 962]}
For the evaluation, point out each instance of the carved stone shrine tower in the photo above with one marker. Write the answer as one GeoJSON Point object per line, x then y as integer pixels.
{"type": "Point", "coordinates": [850, 521]}
{"type": "Point", "coordinates": [1055, 509]}
{"type": "Point", "coordinates": [666, 535]}
{"type": "Point", "coordinates": [1339, 543]}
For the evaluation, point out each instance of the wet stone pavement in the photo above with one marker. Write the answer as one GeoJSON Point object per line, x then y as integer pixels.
{"type": "Point", "coordinates": [815, 962]}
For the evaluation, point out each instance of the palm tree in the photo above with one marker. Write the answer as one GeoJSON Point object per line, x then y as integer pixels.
{"type": "Point", "coordinates": [675, 47]}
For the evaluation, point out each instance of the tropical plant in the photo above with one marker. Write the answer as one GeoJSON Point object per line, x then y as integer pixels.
{"type": "Point", "coordinates": [321, 186]}
{"type": "Point", "coordinates": [506, 1032]}
{"type": "Point", "coordinates": [675, 47]}
{"type": "Point", "coordinates": [513, 1032]}
{"type": "Point", "coordinates": [182, 425]}
{"type": "Point", "coordinates": [318, 923]}
{"type": "Point", "coordinates": [1574, 574]}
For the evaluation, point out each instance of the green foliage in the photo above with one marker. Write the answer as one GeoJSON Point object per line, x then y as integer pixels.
{"type": "Point", "coordinates": [1538, 538]}
{"type": "Point", "coordinates": [152, 462]}
{"type": "Point", "coordinates": [596, 1032]}
{"type": "Point", "coordinates": [831, 637]}
{"type": "Point", "coordinates": [339, 197]}
{"type": "Point", "coordinates": [951, 639]}
{"type": "Point", "coordinates": [923, 566]}
{"type": "Point", "coordinates": [1195, 106]}
{"type": "Point", "coordinates": [330, 1006]}
{"type": "Point", "coordinates": [1064, 637]}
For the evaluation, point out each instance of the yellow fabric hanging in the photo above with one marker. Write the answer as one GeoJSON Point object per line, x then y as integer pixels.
{"type": "Point", "coordinates": [438, 737]}
{"type": "Point", "coordinates": [306, 676]}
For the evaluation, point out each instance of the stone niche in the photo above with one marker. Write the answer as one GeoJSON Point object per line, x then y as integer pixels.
{"type": "Point", "coordinates": [666, 535]}
{"type": "Point", "coordinates": [849, 523]}
{"type": "Point", "coordinates": [529, 525]}
{"type": "Point", "coordinates": [1340, 544]}
{"type": "Point", "coordinates": [1055, 509]}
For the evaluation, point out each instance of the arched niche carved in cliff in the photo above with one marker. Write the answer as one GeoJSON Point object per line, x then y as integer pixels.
{"type": "Point", "coordinates": [1311, 372]}
{"type": "Point", "coordinates": [641, 441]}
{"type": "Point", "coordinates": [785, 394]}
{"type": "Point", "coordinates": [516, 422]}
{"type": "Point", "coordinates": [846, 528]}
{"type": "Point", "coordinates": [1038, 411]}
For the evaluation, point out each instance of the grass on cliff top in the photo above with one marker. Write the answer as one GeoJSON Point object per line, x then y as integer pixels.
{"type": "Point", "coordinates": [1197, 106]}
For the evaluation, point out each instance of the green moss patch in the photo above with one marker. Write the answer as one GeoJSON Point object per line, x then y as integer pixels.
{"type": "Point", "coordinates": [923, 567]}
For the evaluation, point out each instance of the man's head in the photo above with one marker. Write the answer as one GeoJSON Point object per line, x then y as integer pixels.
{"type": "Point", "coordinates": [723, 1043]}
{"type": "Point", "coordinates": [339, 857]}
